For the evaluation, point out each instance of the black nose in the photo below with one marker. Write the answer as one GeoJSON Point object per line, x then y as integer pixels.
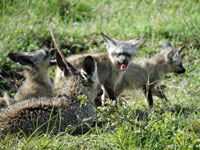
{"type": "Point", "coordinates": [181, 72]}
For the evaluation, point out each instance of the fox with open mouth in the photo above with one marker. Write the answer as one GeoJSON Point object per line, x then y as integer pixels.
{"type": "Point", "coordinates": [111, 64]}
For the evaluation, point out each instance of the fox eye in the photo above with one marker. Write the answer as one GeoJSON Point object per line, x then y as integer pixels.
{"type": "Point", "coordinates": [125, 54]}
{"type": "Point", "coordinates": [117, 54]}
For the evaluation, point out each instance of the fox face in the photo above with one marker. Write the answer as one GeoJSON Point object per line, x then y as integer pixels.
{"type": "Point", "coordinates": [80, 82]}
{"type": "Point", "coordinates": [174, 58]}
{"type": "Point", "coordinates": [121, 52]}
{"type": "Point", "coordinates": [37, 59]}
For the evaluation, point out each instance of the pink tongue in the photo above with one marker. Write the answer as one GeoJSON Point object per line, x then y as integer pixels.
{"type": "Point", "coordinates": [123, 67]}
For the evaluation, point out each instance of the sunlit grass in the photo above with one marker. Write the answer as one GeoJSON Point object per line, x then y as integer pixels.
{"type": "Point", "coordinates": [77, 25]}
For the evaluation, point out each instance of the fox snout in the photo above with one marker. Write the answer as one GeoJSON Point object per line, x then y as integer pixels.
{"type": "Point", "coordinates": [181, 70]}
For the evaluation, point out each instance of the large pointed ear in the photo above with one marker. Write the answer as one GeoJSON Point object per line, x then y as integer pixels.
{"type": "Point", "coordinates": [108, 41]}
{"type": "Point", "coordinates": [22, 59]}
{"type": "Point", "coordinates": [167, 45]}
{"type": "Point", "coordinates": [52, 51]}
{"type": "Point", "coordinates": [65, 66]}
{"type": "Point", "coordinates": [89, 65]}
{"type": "Point", "coordinates": [181, 49]}
{"type": "Point", "coordinates": [136, 42]}
{"type": "Point", "coordinates": [52, 62]}
{"type": "Point", "coordinates": [170, 55]}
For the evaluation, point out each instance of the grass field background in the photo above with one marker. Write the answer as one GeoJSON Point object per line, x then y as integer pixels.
{"type": "Point", "coordinates": [77, 26]}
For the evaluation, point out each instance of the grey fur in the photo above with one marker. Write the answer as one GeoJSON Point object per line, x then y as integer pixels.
{"type": "Point", "coordinates": [145, 74]}
{"type": "Point", "coordinates": [64, 109]}
{"type": "Point", "coordinates": [37, 82]}
{"type": "Point", "coordinates": [118, 52]}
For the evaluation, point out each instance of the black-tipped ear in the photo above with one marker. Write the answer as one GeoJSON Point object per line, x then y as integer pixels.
{"type": "Point", "coordinates": [52, 62]}
{"type": "Point", "coordinates": [167, 45]}
{"type": "Point", "coordinates": [65, 66]}
{"type": "Point", "coordinates": [52, 52]}
{"type": "Point", "coordinates": [108, 41]}
{"type": "Point", "coordinates": [171, 55]}
{"type": "Point", "coordinates": [181, 49]}
{"type": "Point", "coordinates": [136, 42]}
{"type": "Point", "coordinates": [13, 56]}
{"type": "Point", "coordinates": [61, 64]}
{"type": "Point", "coordinates": [89, 65]}
{"type": "Point", "coordinates": [22, 59]}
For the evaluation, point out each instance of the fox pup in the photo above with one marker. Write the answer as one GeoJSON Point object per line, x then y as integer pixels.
{"type": "Point", "coordinates": [55, 114]}
{"type": "Point", "coordinates": [146, 74]}
{"type": "Point", "coordinates": [111, 65]}
{"type": "Point", "coordinates": [37, 82]}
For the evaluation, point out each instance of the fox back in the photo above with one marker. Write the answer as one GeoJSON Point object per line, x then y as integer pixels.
{"type": "Point", "coordinates": [55, 114]}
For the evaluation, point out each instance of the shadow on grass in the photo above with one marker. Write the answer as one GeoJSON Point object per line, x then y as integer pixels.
{"type": "Point", "coordinates": [10, 80]}
{"type": "Point", "coordinates": [130, 115]}
{"type": "Point", "coordinates": [176, 110]}
{"type": "Point", "coordinates": [11, 77]}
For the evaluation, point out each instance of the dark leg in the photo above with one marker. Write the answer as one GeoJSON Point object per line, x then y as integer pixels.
{"type": "Point", "coordinates": [150, 98]}
{"type": "Point", "coordinates": [111, 93]}
{"type": "Point", "coordinates": [159, 93]}
{"type": "Point", "coordinates": [162, 93]}
{"type": "Point", "coordinates": [163, 96]}
{"type": "Point", "coordinates": [148, 95]}
{"type": "Point", "coordinates": [98, 100]}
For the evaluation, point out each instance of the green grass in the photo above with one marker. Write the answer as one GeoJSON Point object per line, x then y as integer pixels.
{"type": "Point", "coordinates": [77, 25]}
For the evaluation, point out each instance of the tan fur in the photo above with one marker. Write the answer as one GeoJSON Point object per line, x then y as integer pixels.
{"type": "Point", "coordinates": [145, 74]}
{"type": "Point", "coordinates": [37, 82]}
{"type": "Point", "coordinates": [109, 64]}
{"type": "Point", "coordinates": [65, 110]}
{"type": "Point", "coordinates": [106, 69]}
{"type": "Point", "coordinates": [3, 102]}
{"type": "Point", "coordinates": [6, 100]}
